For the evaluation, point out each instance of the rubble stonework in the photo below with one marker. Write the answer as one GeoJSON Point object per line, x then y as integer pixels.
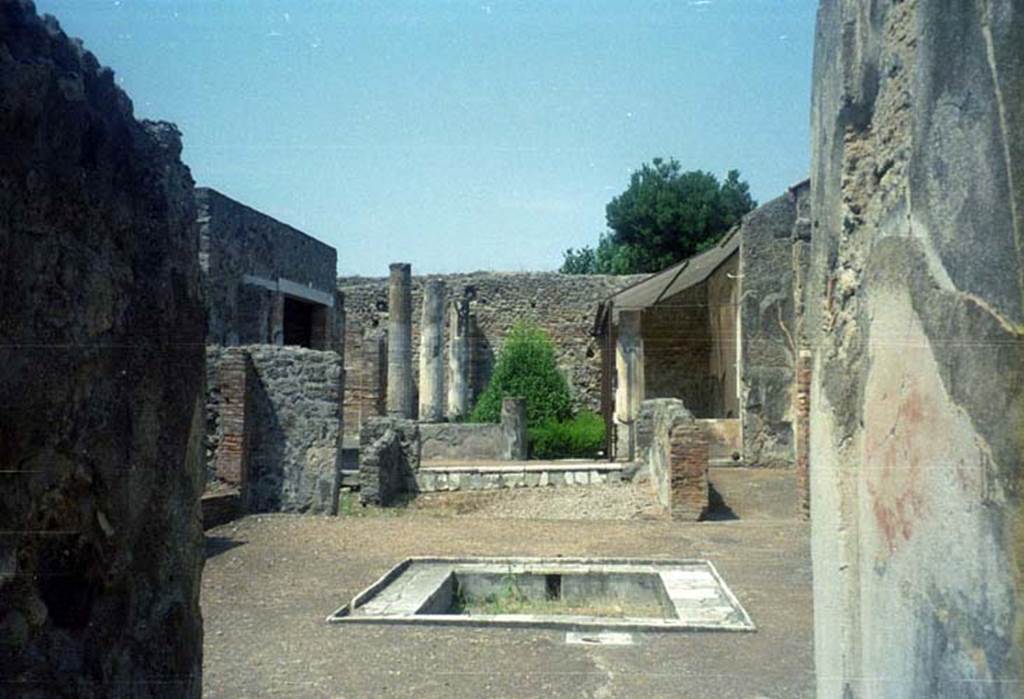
{"type": "Point", "coordinates": [562, 304]}
{"type": "Point", "coordinates": [673, 449]}
{"type": "Point", "coordinates": [916, 319]}
{"type": "Point", "coordinates": [389, 456]}
{"type": "Point", "coordinates": [101, 371]}
{"type": "Point", "coordinates": [292, 426]}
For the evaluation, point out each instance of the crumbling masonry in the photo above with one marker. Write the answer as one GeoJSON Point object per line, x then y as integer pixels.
{"type": "Point", "coordinates": [101, 373]}
{"type": "Point", "coordinates": [916, 319]}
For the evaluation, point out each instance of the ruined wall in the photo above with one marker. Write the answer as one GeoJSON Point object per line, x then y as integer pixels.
{"type": "Point", "coordinates": [101, 373]}
{"type": "Point", "coordinates": [771, 239]}
{"type": "Point", "coordinates": [389, 457]}
{"type": "Point", "coordinates": [293, 426]}
{"type": "Point", "coordinates": [236, 240]}
{"type": "Point", "coordinates": [673, 449]}
{"type": "Point", "coordinates": [915, 314]}
{"type": "Point", "coordinates": [462, 441]}
{"type": "Point", "coordinates": [562, 304]}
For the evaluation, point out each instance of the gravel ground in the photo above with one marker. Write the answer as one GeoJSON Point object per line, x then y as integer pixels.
{"type": "Point", "coordinates": [605, 501]}
{"type": "Point", "coordinates": [270, 580]}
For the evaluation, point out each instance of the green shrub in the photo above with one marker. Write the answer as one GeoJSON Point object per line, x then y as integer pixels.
{"type": "Point", "coordinates": [526, 367]}
{"type": "Point", "coordinates": [582, 437]}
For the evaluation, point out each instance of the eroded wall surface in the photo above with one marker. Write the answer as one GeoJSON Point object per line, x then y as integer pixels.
{"type": "Point", "coordinates": [101, 373]}
{"type": "Point", "coordinates": [915, 315]}
{"type": "Point", "coordinates": [564, 305]}
{"type": "Point", "coordinates": [771, 270]}
{"type": "Point", "coordinates": [673, 448]}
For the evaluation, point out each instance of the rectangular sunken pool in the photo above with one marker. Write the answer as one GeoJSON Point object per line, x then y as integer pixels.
{"type": "Point", "coordinates": [639, 594]}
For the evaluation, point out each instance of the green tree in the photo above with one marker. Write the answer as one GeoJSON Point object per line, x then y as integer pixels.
{"type": "Point", "coordinates": [582, 261]}
{"type": "Point", "coordinates": [526, 367]}
{"type": "Point", "coordinates": [665, 215]}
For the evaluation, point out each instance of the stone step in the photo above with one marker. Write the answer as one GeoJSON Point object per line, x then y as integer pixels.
{"type": "Point", "coordinates": [494, 477]}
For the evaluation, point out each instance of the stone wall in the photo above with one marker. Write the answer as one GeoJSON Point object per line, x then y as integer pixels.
{"type": "Point", "coordinates": [506, 441]}
{"type": "Point", "coordinates": [291, 439]}
{"type": "Point", "coordinates": [674, 450]}
{"type": "Point", "coordinates": [101, 373]}
{"type": "Point", "coordinates": [389, 457]}
{"type": "Point", "coordinates": [916, 316]}
{"type": "Point", "coordinates": [236, 241]}
{"type": "Point", "coordinates": [773, 238]}
{"type": "Point", "coordinates": [461, 441]}
{"type": "Point", "coordinates": [564, 305]}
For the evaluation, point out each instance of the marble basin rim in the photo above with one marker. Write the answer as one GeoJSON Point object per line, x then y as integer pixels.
{"type": "Point", "coordinates": [419, 589]}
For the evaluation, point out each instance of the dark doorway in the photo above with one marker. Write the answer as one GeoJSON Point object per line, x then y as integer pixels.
{"type": "Point", "coordinates": [298, 323]}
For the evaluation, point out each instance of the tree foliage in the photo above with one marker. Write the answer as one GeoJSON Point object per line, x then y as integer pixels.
{"type": "Point", "coordinates": [526, 367]}
{"type": "Point", "coordinates": [665, 215]}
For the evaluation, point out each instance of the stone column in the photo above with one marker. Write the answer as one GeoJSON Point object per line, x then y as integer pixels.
{"type": "Point", "coordinates": [629, 389]}
{"type": "Point", "coordinates": [432, 352]}
{"type": "Point", "coordinates": [513, 428]}
{"type": "Point", "coordinates": [458, 359]}
{"type": "Point", "coordinates": [399, 401]}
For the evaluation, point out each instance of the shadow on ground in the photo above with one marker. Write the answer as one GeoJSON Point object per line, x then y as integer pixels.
{"type": "Point", "coordinates": [216, 545]}
{"type": "Point", "coordinates": [718, 510]}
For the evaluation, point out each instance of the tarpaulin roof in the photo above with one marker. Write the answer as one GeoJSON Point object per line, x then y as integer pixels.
{"type": "Point", "coordinates": [670, 281]}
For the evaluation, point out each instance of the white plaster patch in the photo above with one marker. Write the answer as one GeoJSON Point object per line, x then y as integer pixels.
{"type": "Point", "coordinates": [599, 638]}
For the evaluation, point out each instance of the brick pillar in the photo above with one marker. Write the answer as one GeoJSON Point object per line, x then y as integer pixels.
{"type": "Point", "coordinates": [688, 472]}
{"type": "Point", "coordinates": [803, 431]}
{"type": "Point", "coordinates": [232, 457]}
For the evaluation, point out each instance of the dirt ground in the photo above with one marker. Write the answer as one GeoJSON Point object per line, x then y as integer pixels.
{"type": "Point", "coordinates": [270, 581]}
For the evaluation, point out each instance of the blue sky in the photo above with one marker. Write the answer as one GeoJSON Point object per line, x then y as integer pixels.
{"type": "Point", "coordinates": [459, 135]}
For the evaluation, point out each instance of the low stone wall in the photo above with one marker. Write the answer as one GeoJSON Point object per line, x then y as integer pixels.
{"type": "Point", "coordinates": [389, 456]}
{"type": "Point", "coordinates": [673, 447]}
{"type": "Point", "coordinates": [274, 423]}
{"type": "Point", "coordinates": [505, 441]}
{"type": "Point", "coordinates": [451, 441]}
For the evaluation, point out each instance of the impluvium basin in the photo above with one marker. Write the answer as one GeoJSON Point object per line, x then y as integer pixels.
{"type": "Point", "coordinates": [618, 593]}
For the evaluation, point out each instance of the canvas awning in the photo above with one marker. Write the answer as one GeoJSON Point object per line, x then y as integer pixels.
{"type": "Point", "coordinates": [669, 281]}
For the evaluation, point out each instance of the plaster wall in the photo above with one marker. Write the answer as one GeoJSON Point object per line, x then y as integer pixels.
{"type": "Point", "coordinates": [914, 313]}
